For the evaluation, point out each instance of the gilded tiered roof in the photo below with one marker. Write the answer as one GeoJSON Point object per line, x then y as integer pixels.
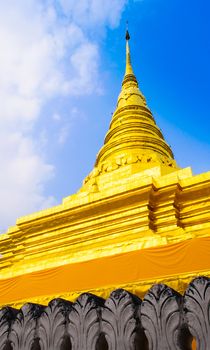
{"type": "Point", "coordinates": [133, 136]}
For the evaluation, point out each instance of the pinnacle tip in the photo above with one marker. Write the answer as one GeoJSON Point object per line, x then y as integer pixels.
{"type": "Point", "coordinates": [127, 35]}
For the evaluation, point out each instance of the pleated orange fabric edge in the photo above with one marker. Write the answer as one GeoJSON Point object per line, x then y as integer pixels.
{"type": "Point", "coordinates": [152, 263]}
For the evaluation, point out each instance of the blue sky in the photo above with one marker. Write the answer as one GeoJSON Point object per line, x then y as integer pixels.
{"type": "Point", "coordinates": [61, 67]}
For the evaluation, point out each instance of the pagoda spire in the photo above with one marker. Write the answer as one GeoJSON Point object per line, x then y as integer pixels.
{"type": "Point", "coordinates": [128, 67]}
{"type": "Point", "coordinates": [129, 74]}
{"type": "Point", "coordinates": [133, 140]}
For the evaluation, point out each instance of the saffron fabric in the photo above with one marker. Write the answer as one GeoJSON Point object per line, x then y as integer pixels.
{"type": "Point", "coordinates": [185, 257]}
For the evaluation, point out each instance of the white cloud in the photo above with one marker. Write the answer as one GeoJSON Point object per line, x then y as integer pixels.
{"type": "Point", "coordinates": [44, 53]}
{"type": "Point", "coordinates": [23, 174]}
{"type": "Point", "coordinates": [94, 12]}
{"type": "Point", "coordinates": [85, 64]}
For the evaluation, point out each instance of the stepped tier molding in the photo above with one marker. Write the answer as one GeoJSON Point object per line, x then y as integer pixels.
{"type": "Point", "coordinates": [143, 213]}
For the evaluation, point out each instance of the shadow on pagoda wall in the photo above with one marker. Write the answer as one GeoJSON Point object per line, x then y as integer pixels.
{"type": "Point", "coordinates": [164, 319]}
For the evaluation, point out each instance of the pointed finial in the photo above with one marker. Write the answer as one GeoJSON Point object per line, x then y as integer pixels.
{"type": "Point", "coordinates": [127, 35]}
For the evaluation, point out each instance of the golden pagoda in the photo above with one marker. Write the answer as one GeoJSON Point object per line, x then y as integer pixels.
{"type": "Point", "coordinates": [137, 220]}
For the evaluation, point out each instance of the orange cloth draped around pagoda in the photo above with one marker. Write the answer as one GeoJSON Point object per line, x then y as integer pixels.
{"type": "Point", "coordinates": [184, 257]}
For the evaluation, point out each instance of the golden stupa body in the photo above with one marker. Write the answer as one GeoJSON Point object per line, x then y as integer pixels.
{"type": "Point", "coordinates": [137, 220]}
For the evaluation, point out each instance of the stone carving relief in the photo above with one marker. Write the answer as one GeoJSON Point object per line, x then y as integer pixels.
{"type": "Point", "coordinates": [84, 322]}
{"type": "Point", "coordinates": [23, 332]}
{"type": "Point", "coordinates": [197, 311]}
{"type": "Point", "coordinates": [120, 322]}
{"type": "Point", "coordinates": [164, 320]}
{"type": "Point", "coordinates": [52, 324]}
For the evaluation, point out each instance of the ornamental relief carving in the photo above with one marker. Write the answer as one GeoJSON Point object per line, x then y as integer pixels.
{"type": "Point", "coordinates": [164, 319]}
{"type": "Point", "coordinates": [116, 163]}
